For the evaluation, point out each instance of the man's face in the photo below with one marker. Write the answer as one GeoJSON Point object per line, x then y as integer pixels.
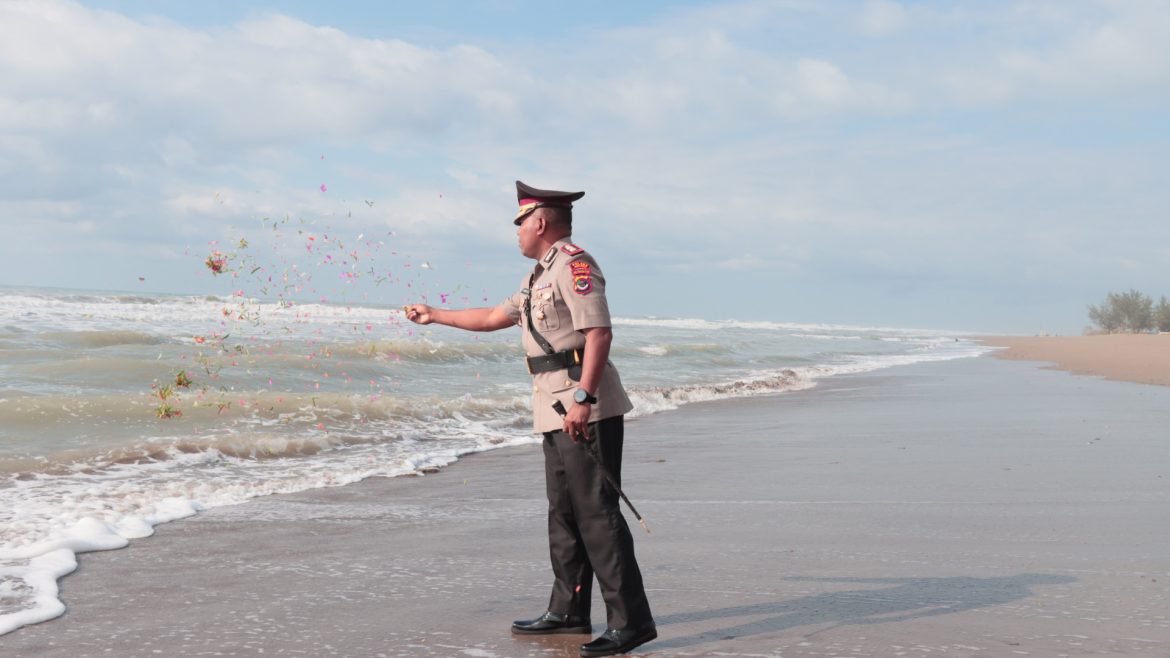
{"type": "Point", "coordinates": [528, 236]}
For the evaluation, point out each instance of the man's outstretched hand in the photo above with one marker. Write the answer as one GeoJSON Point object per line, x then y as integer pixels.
{"type": "Point", "coordinates": [418, 313]}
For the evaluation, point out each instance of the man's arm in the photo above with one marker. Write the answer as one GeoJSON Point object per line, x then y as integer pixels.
{"type": "Point", "coordinates": [597, 342]}
{"type": "Point", "coordinates": [471, 319]}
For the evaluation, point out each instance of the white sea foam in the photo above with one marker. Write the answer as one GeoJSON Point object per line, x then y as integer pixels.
{"type": "Point", "coordinates": [28, 592]}
{"type": "Point", "coordinates": [658, 399]}
{"type": "Point", "coordinates": [89, 511]}
{"type": "Point", "coordinates": [827, 337]}
{"type": "Point", "coordinates": [182, 316]}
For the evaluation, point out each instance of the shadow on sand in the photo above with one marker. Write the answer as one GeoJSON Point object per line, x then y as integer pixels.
{"type": "Point", "coordinates": [901, 599]}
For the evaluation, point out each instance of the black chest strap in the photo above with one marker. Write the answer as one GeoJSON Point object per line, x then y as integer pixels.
{"type": "Point", "coordinates": [553, 360]}
{"type": "Point", "coordinates": [544, 344]}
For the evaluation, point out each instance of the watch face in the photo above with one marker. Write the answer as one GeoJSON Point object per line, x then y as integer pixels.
{"type": "Point", "coordinates": [580, 396]}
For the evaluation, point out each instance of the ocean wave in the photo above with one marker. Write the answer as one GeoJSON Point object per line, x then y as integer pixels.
{"type": "Point", "coordinates": [98, 339]}
{"type": "Point", "coordinates": [175, 315]}
{"type": "Point", "coordinates": [95, 298]}
{"type": "Point", "coordinates": [650, 400]}
{"type": "Point", "coordinates": [37, 413]}
{"type": "Point", "coordinates": [428, 350]}
{"type": "Point", "coordinates": [672, 349]}
{"type": "Point", "coordinates": [827, 337]}
{"type": "Point", "coordinates": [714, 325]}
{"type": "Point", "coordinates": [201, 411]}
{"type": "Point", "coordinates": [86, 370]}
{"type": "Point", "coordinates": [656, 399]}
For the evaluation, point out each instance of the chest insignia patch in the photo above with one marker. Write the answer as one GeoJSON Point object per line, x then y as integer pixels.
{"type": "Point", "coordinates": [571, 249]}
{"type": "Point", "coordinates": [582, 278]}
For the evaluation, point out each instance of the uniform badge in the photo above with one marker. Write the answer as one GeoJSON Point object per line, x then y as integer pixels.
{"type": "Point", "coordinates": [571, 249]}
{"type": "Point", "coordinates": [582, 277]}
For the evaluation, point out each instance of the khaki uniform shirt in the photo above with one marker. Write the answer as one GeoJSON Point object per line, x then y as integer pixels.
{"type": "Point", "coordinates": [568, 296]}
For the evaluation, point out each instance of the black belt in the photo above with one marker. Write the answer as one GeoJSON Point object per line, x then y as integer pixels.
{"type": "Point", "coordinates": [555, 361]}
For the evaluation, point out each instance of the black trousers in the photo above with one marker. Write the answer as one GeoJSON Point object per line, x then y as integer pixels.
{"type": "Point", "coordinates": [587, 534]}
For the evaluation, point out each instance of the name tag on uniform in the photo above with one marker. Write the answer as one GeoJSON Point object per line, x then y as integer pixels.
{"type": "Point", "coordinates": [543, 286]}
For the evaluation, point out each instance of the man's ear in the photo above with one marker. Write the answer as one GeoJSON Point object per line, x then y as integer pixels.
{"type": "Point", "coordinates": [541, 224]}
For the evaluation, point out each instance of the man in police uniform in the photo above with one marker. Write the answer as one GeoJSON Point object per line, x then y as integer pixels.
{"type": "Point", "coordinates": [566, 329]}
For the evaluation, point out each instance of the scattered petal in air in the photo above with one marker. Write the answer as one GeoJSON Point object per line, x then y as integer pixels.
{"type": "Point", "coordinates": [254, 273]}
{"type": "Point", "coordinates": [216, 262]}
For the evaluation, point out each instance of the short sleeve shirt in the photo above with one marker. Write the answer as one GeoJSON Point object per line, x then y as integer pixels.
{"type": "Point", "coordinates": [568, 296]}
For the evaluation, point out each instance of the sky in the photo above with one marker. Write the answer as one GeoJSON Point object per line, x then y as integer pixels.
{"type": "Point", "coordinates": [977, 166]}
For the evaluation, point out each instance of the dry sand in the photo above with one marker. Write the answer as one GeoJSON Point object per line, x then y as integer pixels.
{"type": "Point", "coordinates": [974, 508]}
{"type": "Point", "coordinates": [1141, 358]}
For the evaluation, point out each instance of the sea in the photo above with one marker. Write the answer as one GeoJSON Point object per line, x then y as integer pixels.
{"type": "Point", "coordinates": [122, 411]}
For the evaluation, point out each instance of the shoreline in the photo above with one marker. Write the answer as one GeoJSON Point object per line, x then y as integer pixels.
{"type": "Point", "coordinates": [379, 438]}
{"type": "Point", "coordinates": [1138, 358]}
{"type": "Point", "coordinates": [877, 513]}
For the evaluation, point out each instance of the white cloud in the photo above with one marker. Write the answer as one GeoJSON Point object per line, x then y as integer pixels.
{"type": "Point", "coordinates": [1062, 54]}
{"type": "Point", "coordinates": [707, 131]}
{"type": "Point", "coordinates": [174, 123]}
{"type": "Point", "coordinates": [881, 18]}
{"type": "Point", "coordinates": [818, 86]}
{"type": "Point", "coordinates": [823, 81]}
{"type": "Point", "coordinates": [266, 79]}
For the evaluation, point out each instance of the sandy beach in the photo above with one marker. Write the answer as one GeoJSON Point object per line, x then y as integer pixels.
{"type": "Point", "coordinates": [1142, 358]}
{"type": "Point", "coordinates": [979, 507]}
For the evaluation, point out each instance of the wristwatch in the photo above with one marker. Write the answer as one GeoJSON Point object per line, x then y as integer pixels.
{"type": "Point", "coordinates": [581, 396]}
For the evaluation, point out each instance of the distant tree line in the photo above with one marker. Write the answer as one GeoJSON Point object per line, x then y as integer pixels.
{"type": "Point", "coordinates": [1130, 312]}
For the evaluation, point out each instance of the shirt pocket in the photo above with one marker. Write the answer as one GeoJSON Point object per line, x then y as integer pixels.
{"type": "Point", "coordinates": [545, 312]}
